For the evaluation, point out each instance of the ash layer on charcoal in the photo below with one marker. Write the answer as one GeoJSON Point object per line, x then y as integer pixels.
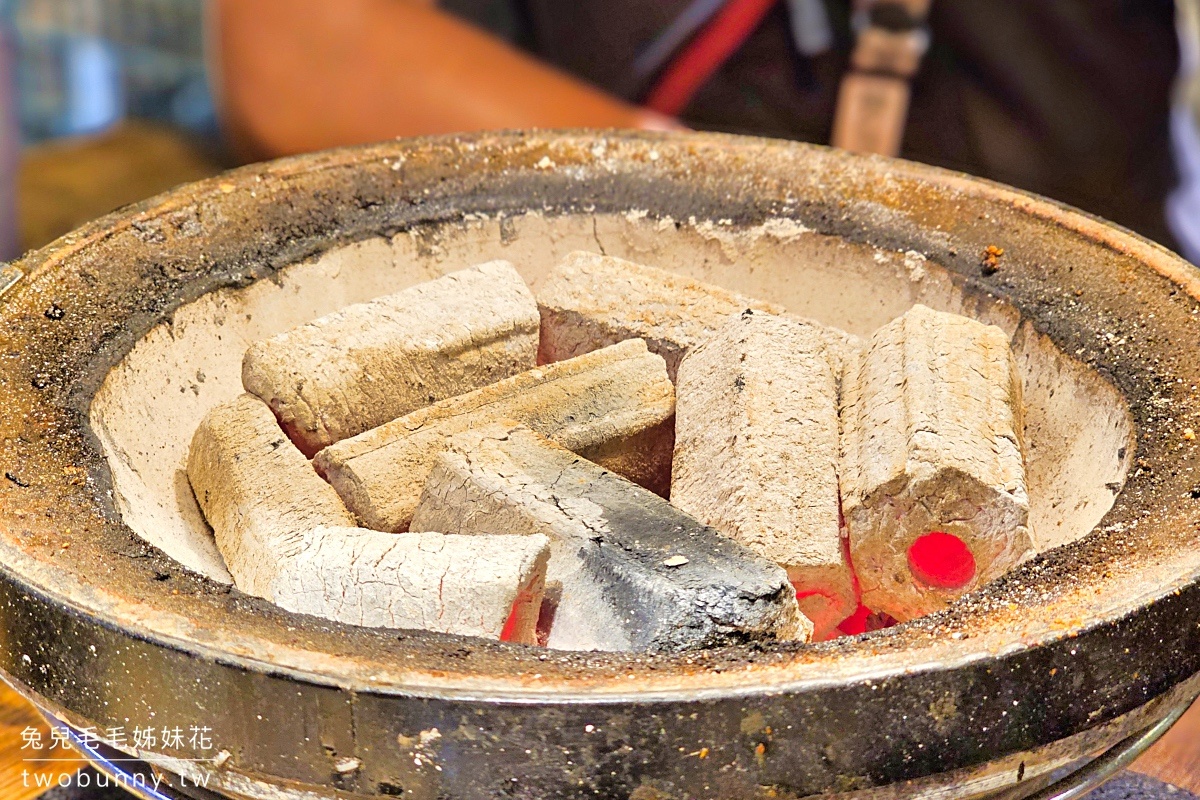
{"type": "Point", "coordinates": [257, 491]}
{"type": "Point", "coordinates": [489, 586]}
{"type": "Point", "coordinates": [799, 446]}
{"type": "Point", "coordinates": [367, 364]}
{"type": "Point", "coordinates": [667, 581]}
{"type": "Point", "coordinates": [590, 301]}
{"type": "Point", "coordinates": [933, 479]}
{"type": "Point", "coordinates": [614, 406]}
{"type": "Point", "coordinates": [756, 444]}
{"type": "Point", "coordinates": [286, 537]}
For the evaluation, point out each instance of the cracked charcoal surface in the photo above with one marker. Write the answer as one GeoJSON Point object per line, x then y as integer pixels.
{"type": "Point", "coordinates": [465, 495]}
{"type": "Point", "coordinates": [756, 443]}
{"type": "Point", "coordinates": [618, 536]}
{"type": "Point", "coordinates": [933, 441]}
{"type": "Point", "coordinates": [286, 537]}
{"type": "Point", "coordinates": [369, 363]}
{"type": "Point", "coordinates": [615, 406]}
{"type": "Point", "coordinates": [258, 492]}
{"type": "Point", "coordinates": [428, 580]}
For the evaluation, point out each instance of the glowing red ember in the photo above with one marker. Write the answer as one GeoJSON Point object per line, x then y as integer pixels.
{"type": "Point", "coordinates": [941, 560]}
{"type": "Point", "coordinates": [856, 623]}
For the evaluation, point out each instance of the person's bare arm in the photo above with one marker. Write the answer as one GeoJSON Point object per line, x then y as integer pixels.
{"type": "Point", "coordinates": [300, 75]}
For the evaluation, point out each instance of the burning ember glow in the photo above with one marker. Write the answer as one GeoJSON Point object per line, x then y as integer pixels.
{"type": "Point", "coordinates": [526, 604]}
{"type": "Point", "coordinates": [933, 439]}
{"type": "Point", "coordinates": [490, 463]}
{"type": "Point", "coordinates": [941, 560]}
{"type": "Point", "coordinates": [856, 623]}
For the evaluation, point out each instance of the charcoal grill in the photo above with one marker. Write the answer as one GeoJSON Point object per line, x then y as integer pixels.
{"type": "Point", "coordinates": [117, 611]}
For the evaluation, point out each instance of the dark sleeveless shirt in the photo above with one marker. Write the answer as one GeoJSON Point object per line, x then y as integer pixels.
{"type": "Point", "coordinates": [1068, 98]}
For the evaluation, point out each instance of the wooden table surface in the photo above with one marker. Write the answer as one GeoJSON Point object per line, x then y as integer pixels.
{"type": "Point", "coordinates": [66, 184]}
{"type": "Point", "coordinates": [19, 776]}
{"type": "Point", "coordinates": [1175, 758]}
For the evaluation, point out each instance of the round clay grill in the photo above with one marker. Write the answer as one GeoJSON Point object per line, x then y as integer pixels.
{"type": "Point", "coordinates": [104, 629]}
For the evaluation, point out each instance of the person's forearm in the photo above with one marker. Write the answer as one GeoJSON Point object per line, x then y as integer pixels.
{"type": "Point", "coordinates": [300, 75]}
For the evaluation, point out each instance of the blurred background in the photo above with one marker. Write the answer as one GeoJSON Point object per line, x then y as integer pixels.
{"type": "Point", "coordinates": [104, 102]}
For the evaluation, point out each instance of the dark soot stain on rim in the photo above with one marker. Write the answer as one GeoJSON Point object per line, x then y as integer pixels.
{"type": "Point", "coordinates": [1084, 647]}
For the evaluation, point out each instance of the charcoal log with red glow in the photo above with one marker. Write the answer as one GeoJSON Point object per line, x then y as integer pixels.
{"type": "Point", "coordinates": [812, 476]}
{"type": "Point", "coordinates": [933, 480]}
{"type": "Point", "coordinates": [631, 565]}
{"type": "Point", "coordinates": [756, 453]}
{"type": "Point", "coordinates": [286, 537]}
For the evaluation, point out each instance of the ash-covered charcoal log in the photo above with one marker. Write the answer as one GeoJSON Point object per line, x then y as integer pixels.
{"type": "Point", "coordinates": [615, 406]}
{"type": "Point", "coordinates": [286, 537]}
{"type": "Point", "coordinates": [590, 301]}
{"type": "Point", "coordinates": [756, 451]}
{"type": "Point", "coordinates": [488, 586]}
{"type": "Point", "coordinates": [257, 491]}
{"type": "Point", "coordinates": [360, 367]}
{"type": "Point", "coordinates": [476, 490]}
{"type": "Point", "coordinates": [666, 581]}
{"type": "Point", "coordinates": [933, 478]}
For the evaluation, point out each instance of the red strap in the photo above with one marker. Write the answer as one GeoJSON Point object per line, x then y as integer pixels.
{"type": "Point", "coordinates": [705, 54]}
